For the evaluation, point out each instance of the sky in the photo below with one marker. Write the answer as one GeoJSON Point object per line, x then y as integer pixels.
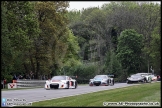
{"type": "Point", "coordinates": [78, 5]}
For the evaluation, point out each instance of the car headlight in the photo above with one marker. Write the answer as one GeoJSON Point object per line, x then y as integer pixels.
{"type": "Point", "coordinates": [47, 82]}
{"type": "Point", "coordinates": [104, 80]}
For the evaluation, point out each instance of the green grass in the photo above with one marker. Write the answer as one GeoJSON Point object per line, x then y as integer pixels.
{"type": "Point", "coordinates": [139, 93]}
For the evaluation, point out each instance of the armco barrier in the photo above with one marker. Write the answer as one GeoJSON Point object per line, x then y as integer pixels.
{"type": "Point", "coordinates": [36, 83]}
{"type": "Point", "coordinates": [29, 83]}
{"type": "Point", "coordinates": [12, 85]}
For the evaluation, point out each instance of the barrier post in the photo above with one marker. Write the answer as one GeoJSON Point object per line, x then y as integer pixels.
{"type": "Point", "coordinates": [12, 85]}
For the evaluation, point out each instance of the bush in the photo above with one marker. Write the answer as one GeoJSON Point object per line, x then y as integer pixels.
{"type": "Point", "coordinates": [82, 81]}
{"type": "Point", "coordinates": [83, 71]}
{"type": "Point", "coordinates": [8, 78]}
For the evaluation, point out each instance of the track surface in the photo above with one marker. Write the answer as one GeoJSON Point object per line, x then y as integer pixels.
{"type": "Point", "coordinates": [40, 94]}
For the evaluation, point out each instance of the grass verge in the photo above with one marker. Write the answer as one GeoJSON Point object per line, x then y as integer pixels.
{"type": "Point", "coordinates": [139, 93]}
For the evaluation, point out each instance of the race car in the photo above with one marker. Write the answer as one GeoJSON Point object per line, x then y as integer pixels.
{"type": "Point", "coordinates": [153, 77]}
{"type": "Point", "coordinates": [100, 80]}
{"type": "Point", "coordinates": [57, 82]}
{"type": "Point", "coordinates": [139, 77]}
{"type": "Point", "coordinates": [158, 78]}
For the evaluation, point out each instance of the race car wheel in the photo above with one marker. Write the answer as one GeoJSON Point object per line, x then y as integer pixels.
{"type": "Point", "coordinates": [111, 82]}
{"type": "Point", "coordinates": [128, 82]}
{"type": "Point", "coordinates": [91, 84]}
{"type": "Point", "coordinates": [68, 84]}
{"type": "Point", "coordinates": [76, 84]}
{"type": "Point", "coordinates": [108, 82]}
{"type": "Point", "coordinates": [47, 89]}
{"type": "Point", "coordinates": [145, 80]}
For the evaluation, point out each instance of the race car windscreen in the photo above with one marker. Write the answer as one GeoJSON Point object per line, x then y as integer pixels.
{"type": "Point", "coordinates": [59, 78]}
{"type": "Point", "coordinates": [100, 76]}
{"type": "Point", "coordinates": [136, 76]}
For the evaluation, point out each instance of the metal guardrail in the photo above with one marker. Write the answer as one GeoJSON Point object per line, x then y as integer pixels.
{"type": "Point", "coordinates": [28, 83]}
{"type": "Point", "coordinates": [36, 83]}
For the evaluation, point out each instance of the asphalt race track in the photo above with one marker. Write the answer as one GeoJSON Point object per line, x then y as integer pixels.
{"type": "Point", "coordinates": [40, 94]}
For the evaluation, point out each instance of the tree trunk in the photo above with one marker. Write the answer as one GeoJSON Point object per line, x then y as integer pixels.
{"type": "Point", "coordinates": [148, 63]}
{"type": "Point", "coordinates": [32, 66]}
{"type": "Point", "coordinates": [26, 68]}
{"type": "Point", "coordinates": [38, 68]}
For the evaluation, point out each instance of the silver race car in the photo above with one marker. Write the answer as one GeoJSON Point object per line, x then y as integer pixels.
{"type": "Point", "coordinates": [100, 80]}
{"type": "Point", "coordinates": [61, 82]}
{"type": "Point", "coordinates": [139, 77]}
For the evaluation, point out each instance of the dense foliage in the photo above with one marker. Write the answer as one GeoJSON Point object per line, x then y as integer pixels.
{"type": "Point", "coordinates": [42, 38]}
{"type": "Point", "coordinates": [129, 50]}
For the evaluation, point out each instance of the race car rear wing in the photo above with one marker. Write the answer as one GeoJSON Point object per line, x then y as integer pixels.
{"type": "Point", "coordinates": [74, 77]}
{"type": "Point", "coordinates": [112, 76]}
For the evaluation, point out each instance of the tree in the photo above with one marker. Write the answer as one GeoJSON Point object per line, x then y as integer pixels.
{"type": "Point", "coordinates": [112, 64]}
{"type": "Point", "coordinates": [51, 46]}
{"type": "Point", "coordinates": [155, 51]}
{"type": "Point", "coordinates": [129, 50]}
{"type": "Point", "coordinates": [73, 17]}
{"type": "Point", "coordinates": [6, 48]}
{"type": "Point", "coordinates": [19, 29]}
{"type": "Point", "coordinates": [148, 17]}
{"type": "Point", "coordinates": [105, 25]}
{"type": "Point", "coordinates": [91, 32]}
{"type": "Point", "coordinates": [72, 57]}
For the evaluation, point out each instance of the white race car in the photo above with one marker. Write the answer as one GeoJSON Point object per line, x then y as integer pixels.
{"type": "Point", "coordinates": [153, 77]}
{"type": "Point", "coordinates": [139, 77]}
{"type": "Point", "coordinates": [57, 82]}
